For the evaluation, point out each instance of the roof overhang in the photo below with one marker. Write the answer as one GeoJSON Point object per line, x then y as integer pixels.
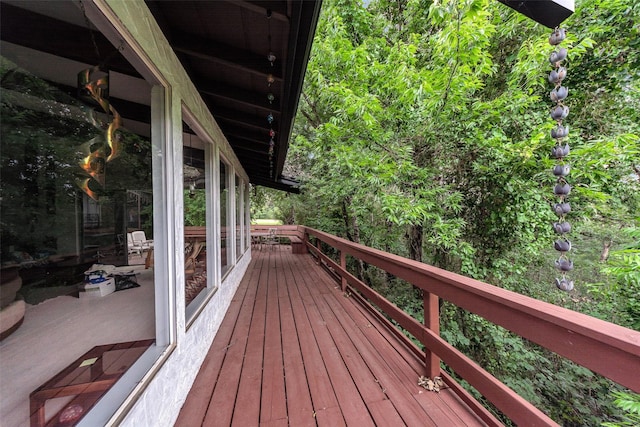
{"type": "Point", "coordinates": [549, 13]}
{"type": "Point", "coordinates": [224, 47]}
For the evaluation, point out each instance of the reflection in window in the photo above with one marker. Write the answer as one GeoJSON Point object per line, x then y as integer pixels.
{"type": "Point", "coordinates": [195, 215]}
{"type": "Point", "coordinates": [71, 194]}
{"type": "Point", "coordinates": [238, 185]}
{"type": "Point", "coordinates": [55, 213]}
{"type": "Point", "coordinates": [247, 217]}
{"type": "Point", "coordinates": [224, 218]}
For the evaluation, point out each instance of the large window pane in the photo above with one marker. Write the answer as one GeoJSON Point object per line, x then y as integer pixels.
{"type": "Point", "coordinates": [76, 168]}
{"type": "Point", "coordinates": [247, 216]}
{"type": "Point", "coordinates": [239, 218]}
{"type": "Point", "coordinates": [225, 218]}
{"type": "Point", "coordinates": [195, 172]}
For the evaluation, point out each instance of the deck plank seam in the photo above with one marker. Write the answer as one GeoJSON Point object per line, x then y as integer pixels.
{"type": "Point", "coordinates": [407, 383]}
{"type": "Point", "coordinates": [286, 312]}
{"type": "Point", "coordinates": [320, 305]}
{"type": "Point", "coordinates": [303, 317]}
{"type": "Point", "coordinates": [444, 407]}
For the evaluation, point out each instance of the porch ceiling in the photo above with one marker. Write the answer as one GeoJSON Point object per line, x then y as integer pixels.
{"type": "Point", "coordinates": [223, 46]}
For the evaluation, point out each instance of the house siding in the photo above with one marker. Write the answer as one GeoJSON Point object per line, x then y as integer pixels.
{"type": "Point", "coordinates": [160, 403]}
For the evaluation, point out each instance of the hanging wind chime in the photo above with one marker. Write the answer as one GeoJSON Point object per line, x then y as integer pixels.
{"type": "Point", "coordinates": [560, 152]}
{"type": "Point", "coordinates": [271, 57]}
{"type": "Point", "coordinates": [93, 89]}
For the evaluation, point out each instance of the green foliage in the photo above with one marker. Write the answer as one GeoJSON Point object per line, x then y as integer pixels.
{"type": "Point", "coordinates": [195, 207]}
{"type": "Point", "coordinates": [423, 130]}
{"type": "Point", "coordinates": [630, 404]}
{"type": "Point", "coordinates": [619, 296]}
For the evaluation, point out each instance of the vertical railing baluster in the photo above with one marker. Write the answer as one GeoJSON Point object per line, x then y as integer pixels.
{"type": "Point", "coordinates": [343, 264]}
{"type": "Point", "coordinates": [432, 322]}
{"type": "Point", "coordinates": [319, 246]}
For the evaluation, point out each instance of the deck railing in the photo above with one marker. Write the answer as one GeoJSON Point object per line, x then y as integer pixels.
{"type": "Point", "coordinates": [603, 347]}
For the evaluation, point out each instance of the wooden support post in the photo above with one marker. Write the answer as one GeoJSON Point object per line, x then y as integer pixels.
{"type": "Point", "coordinates": [343, 264]}
{"type": "Point", "coordinates": [432, 322]}
{"type": "Point", "coordinates": [319, 246]}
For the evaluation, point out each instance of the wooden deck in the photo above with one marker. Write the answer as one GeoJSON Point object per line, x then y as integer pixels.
{"type": "Point", "coordinates": [293, 350]}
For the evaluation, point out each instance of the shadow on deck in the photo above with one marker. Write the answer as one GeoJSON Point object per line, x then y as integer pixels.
{"type": "Point", "coordinates": [294, 350]}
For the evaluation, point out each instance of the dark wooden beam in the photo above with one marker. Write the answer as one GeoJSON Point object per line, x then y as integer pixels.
{"type": "Point", "coordinates": [278, 9]}
{"type": "Point", "coordinates": [275, 184]}
{"type": "Point", "coordinates": [249, 135]}
{"type": "Point", "coordinates": [237, 95]}
{"type": "Point", "coordinates": [229, 56]}
{"type": "Point", "coordinates": [45, 34]}
{"type": "Point", "coordinates": [244, 120]}
{"type": "Point", "coordinates": [549, 13]}
{"type": "Point", "coordinates": [257, 152]}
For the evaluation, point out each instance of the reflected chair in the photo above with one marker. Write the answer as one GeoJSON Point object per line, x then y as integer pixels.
{"type": "Point", "coordinates": [140, 239]}
{"type": "Point", "coordinates": [132, 246]}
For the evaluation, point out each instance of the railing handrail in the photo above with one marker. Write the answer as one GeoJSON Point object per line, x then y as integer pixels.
{"type": "Point", "coordinates": [608, 349]}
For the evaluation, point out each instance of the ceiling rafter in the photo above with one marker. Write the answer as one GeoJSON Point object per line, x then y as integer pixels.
{"type": "Point", "coordinates": [42, 27]}
{"type": "Point", "coordinates": [243, 120]}
{"type": "Point", "coordinates": [228, 56]}
{"type": "Point", "coordinates": [237, 95]}
{"type": "Point", "coordinates": [279, 9]}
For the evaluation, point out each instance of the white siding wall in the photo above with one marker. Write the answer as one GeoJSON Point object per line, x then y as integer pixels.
{"type": "Point", "coordinates": [161, 401]}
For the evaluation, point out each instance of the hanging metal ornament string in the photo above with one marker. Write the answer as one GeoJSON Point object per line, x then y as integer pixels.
{"type": "Point", "coordinates": [560, 152]}
{"type": "Point", "coordinates": [271, 57]}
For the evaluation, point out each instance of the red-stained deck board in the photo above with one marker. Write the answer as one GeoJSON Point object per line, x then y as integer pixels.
{"type": "Point", "coordinates": [274, 401]}
{"type": "Point", "coordinates": [386, 356]}
{"type": "Point", "coordinates": [299, 406]}
{"type": "Point", "coordinates": [247, 409]}
{"type": "Point", "coordinates": [385, 414]}
{"type": "Point", "coordinates": [195, 407]}
{"type": "Point", "coordinates": [351, 403]}
{"type": "Point", "coordinates": [377, 353]}
{"type": "Point", "coordinates": [292, 350]}
{"type": "Point", "coordinates": [221, 405]}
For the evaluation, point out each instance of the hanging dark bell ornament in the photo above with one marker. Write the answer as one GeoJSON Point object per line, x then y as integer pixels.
{"type": "Point", "coordinates": [271, 57]}
{"type": "Point", "coordinates": [560, 112]}
{"type": "Point", "coordinates": [561, 170]}
{"type": "Point", "coordinates": [562, 189]}
{"type": "Point", "coordinates": [564, 284]}
{"type": "Point", "coordinates": [561, 227]}
{"type": "Point", "coordinates": [562, 208]}
{"type": "Point", "coordinates": [556, 76]}
{"type": "Point", "coordinates": [564, 264]}
{"type": "Point", "coordinates": [560, 131]}
{"type": "Point", "coordinates": [562, 245]}
{"type": "Point", "coordinates": [559, 93]}
{"type": "Point", "coordinates": [559, 151]}
{"type": "Point", "coordinates": [558, 56]}
{"type": "Point", "coordinates": [558, 35]}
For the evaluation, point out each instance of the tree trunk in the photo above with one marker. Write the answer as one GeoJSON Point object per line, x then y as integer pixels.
{"type": "Point", "coordinates": [352, 231]}
{"type": "Point", "coordinates": [415, 242]}
{"type": "Point", "coordinates": [606, 246]}
{"type": "Point", "coordinates": [414, 239]}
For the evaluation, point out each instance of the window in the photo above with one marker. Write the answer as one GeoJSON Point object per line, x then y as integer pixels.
{"type": "Point", "coordinates": [225, 238]}
{"type": "Point", "coordinates": [76, 183]}
{"type": "Point", "coordinates": [239, 216]}
{"type": "Point", "coordinates": [197, 218]}
{"type": "Point", "coordinates": [247, 216]}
